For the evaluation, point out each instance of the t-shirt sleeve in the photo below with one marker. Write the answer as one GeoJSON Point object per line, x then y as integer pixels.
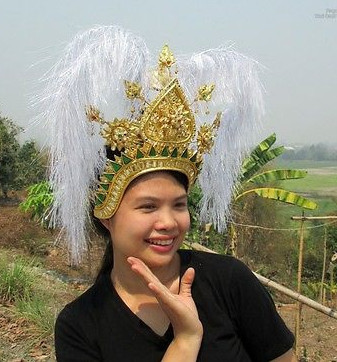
{"type": "Point", "coordinates": [72, 340]}
{"type": "Point", "coordinates": [263, 332]}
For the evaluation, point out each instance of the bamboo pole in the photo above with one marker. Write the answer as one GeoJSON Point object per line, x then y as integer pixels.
{"type": "Point", "coordinates": [324, 266]}
{"type": "Point", "coordinates": [299, 285]}
{"type": "Point", "coordinates": [280, 288]}
{"type": "Point", "coordinates": [314, 218]}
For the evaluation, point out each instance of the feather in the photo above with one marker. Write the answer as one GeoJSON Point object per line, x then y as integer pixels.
{"type": "Point", "coordinates": [238, 94]}
{"type": "Point", "coordinates": [91, 71]}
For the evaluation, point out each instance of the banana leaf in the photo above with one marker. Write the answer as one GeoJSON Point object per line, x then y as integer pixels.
{"type": "Point", "coordinates": [281, 195]}
{"type": "Point", "coordinates": [252, 165]}
{"type": "Point", "coordinates": [263, 146]}
{"type": "Point", "coordinates": [277, 175]}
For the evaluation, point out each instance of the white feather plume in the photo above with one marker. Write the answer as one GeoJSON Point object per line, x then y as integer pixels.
{"type": "Point", "coordinates": [90, 72]}
{"type": "Point", "coordinates": [238, 95]}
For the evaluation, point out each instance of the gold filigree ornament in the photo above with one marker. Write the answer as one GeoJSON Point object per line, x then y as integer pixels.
{"type": "Point", "coordinates": [161, 139]}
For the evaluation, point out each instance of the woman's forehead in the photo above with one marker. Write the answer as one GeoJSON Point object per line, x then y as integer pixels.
{"type": "Point", "coordinates": [148, 185]}
{"type": "Point", "coordinates": [155, 178]}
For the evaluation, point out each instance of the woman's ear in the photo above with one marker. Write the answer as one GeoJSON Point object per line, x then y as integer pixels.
{"type": "Point", "coordinates": [105, 222]}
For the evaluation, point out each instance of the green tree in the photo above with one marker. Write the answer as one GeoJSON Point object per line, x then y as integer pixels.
{"type": "Point", "coordinates": [20, 166]}
{"type": "Point", "coordinates": [31, 164]}
{"type": "Point", "coordinates": [9, 147]}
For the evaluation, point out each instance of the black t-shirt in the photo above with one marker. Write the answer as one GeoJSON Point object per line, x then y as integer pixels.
{"type": "Point", "coordinates": [238, 316]}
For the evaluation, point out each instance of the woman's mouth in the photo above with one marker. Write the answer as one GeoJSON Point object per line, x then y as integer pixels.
{"type": "Point", "coordinates": [160, 242]}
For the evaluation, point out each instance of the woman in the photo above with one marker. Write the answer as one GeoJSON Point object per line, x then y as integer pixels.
{"type": "Point", "coordinates": [152, 301]}
{"type": "Point", "coordinates": [127, 315]}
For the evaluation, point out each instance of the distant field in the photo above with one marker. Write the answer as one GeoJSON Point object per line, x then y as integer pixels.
{"type": "Point", "coordinates": [305, 164]}
{"type": "Point", "coordinates": [315, 183]}
{"type": "Point", "coordinates": [320, 184]}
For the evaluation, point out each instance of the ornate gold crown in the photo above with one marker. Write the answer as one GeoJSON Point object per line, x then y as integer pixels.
{"type": "Point", "coordinates": [161, 139]}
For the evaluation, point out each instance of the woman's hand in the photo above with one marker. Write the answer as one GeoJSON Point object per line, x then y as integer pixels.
{"type": "Point", "coordinates": [179, 308]}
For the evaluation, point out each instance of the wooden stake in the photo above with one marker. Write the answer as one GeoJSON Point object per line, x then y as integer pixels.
{"type": "Point", "coordinates": [324, 267]}
{"type": "Point", "coordinates": [299, 285]}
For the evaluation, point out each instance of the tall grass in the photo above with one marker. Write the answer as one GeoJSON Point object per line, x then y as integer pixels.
{"type": "Point", "coordinates": [20, 285]}
{"type": "Point", "coordinates": [16, 280]}
{"type": "Point", "coordinates": [37, 310]}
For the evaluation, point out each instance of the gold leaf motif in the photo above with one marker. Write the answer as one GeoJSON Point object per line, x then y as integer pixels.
{"type": "Point", "coordinates": [121, 134]}
{"type": "Point", "coordinates": [168, 120]}
{"type": "Point", "coordinates": [166, 57]}
{"type": "Point", "coordinates": [205, 92]}
{"type": "Point", "coordinates": [93, 114]}
{"type": "Point", "coordinates": [205, 138]}
{"type": "Point", "coordinates": [160, 78]}
{"type": "Point", "coordinates": [216, 122]}
{"type": "Point", "coordinates": [133, 90]}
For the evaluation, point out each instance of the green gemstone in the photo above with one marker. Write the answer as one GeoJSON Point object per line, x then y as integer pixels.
{"type": "Point", "coordinates": [115, 166]}
{"type": "Point", "coordinates": [174, 153]}
{"type": "Point", "coordinates": [109, 176]}
{"type": "Point", "coordinates": [126, 159]}
{"type": "Point", "coordinates": [105, 186]}
{"type": "Point", "coordinates": [185, 153]}
{"type": "Point", "coordinates": [139, 154]}
{"type": "Point", "coordinates": [165, 151]}
{"type": "Point", "coordinates": [99, 199]}
{"type": "Point", "coordinates": [193, 158]}
{"type": "Point", "coordinates": [153, 152]}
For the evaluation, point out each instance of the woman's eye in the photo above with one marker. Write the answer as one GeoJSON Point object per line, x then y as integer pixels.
{"type": "Point", "coordinates": [181, 205]}
{"type": "Point", "coordinates": [148, 207]}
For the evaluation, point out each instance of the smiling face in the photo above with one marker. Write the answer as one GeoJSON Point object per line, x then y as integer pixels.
{"type": "Point", "coordinates": [151, 220]}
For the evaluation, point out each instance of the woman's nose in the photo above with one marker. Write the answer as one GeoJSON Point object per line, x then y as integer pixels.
{"type": "Point", "coordinates": [166, 220]}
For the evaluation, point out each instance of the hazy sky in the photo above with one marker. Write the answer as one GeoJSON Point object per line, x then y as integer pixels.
{"type": "Point", "coordinates": [295, 40]}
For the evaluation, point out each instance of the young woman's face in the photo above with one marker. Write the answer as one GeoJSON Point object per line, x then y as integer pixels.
{"type": "Point", "coordinates": [151, 220]}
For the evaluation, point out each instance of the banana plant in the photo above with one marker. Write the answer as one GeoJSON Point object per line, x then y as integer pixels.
{"type": "Point", "coordinates": [253, 180]}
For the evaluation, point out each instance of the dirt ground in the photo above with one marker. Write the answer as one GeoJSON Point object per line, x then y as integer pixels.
{"type": "Point", "coordinates": [19, 235]}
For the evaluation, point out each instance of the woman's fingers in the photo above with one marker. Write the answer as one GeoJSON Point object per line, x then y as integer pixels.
{"type": "Point", "coordinates": [179, 308]}
{"type": "Point", "coordinates": [186, 283]}
{"type": "Point", "coordinates": [139, 267]}
{"type": "Point", "coordinates": [161, 292]}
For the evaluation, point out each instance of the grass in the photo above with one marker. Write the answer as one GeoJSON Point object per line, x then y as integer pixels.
{"type": "Point", "coordinates": [36, 309]}
{"type": "Point", "coordinates": [16, 280]}
{"type": "Point", "coordinates": [313, 183]}
{"type": "Point", "coordinates": [304, 164]}
{"type": "Point", "coordinates": [321, 178]}
{"type": "Point", "coordinates": [320, 185]}
{"type": "Point", "coordinates": [22, 286]}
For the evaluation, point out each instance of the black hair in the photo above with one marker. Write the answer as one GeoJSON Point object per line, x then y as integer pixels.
{"type": "Point", "coordinates": [107, 260]}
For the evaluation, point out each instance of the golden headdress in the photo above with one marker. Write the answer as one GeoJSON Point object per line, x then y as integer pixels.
{"type": "Point", "coordinates": [161, 139]}
{"type": "Point", "coordinates": [164, 119]}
